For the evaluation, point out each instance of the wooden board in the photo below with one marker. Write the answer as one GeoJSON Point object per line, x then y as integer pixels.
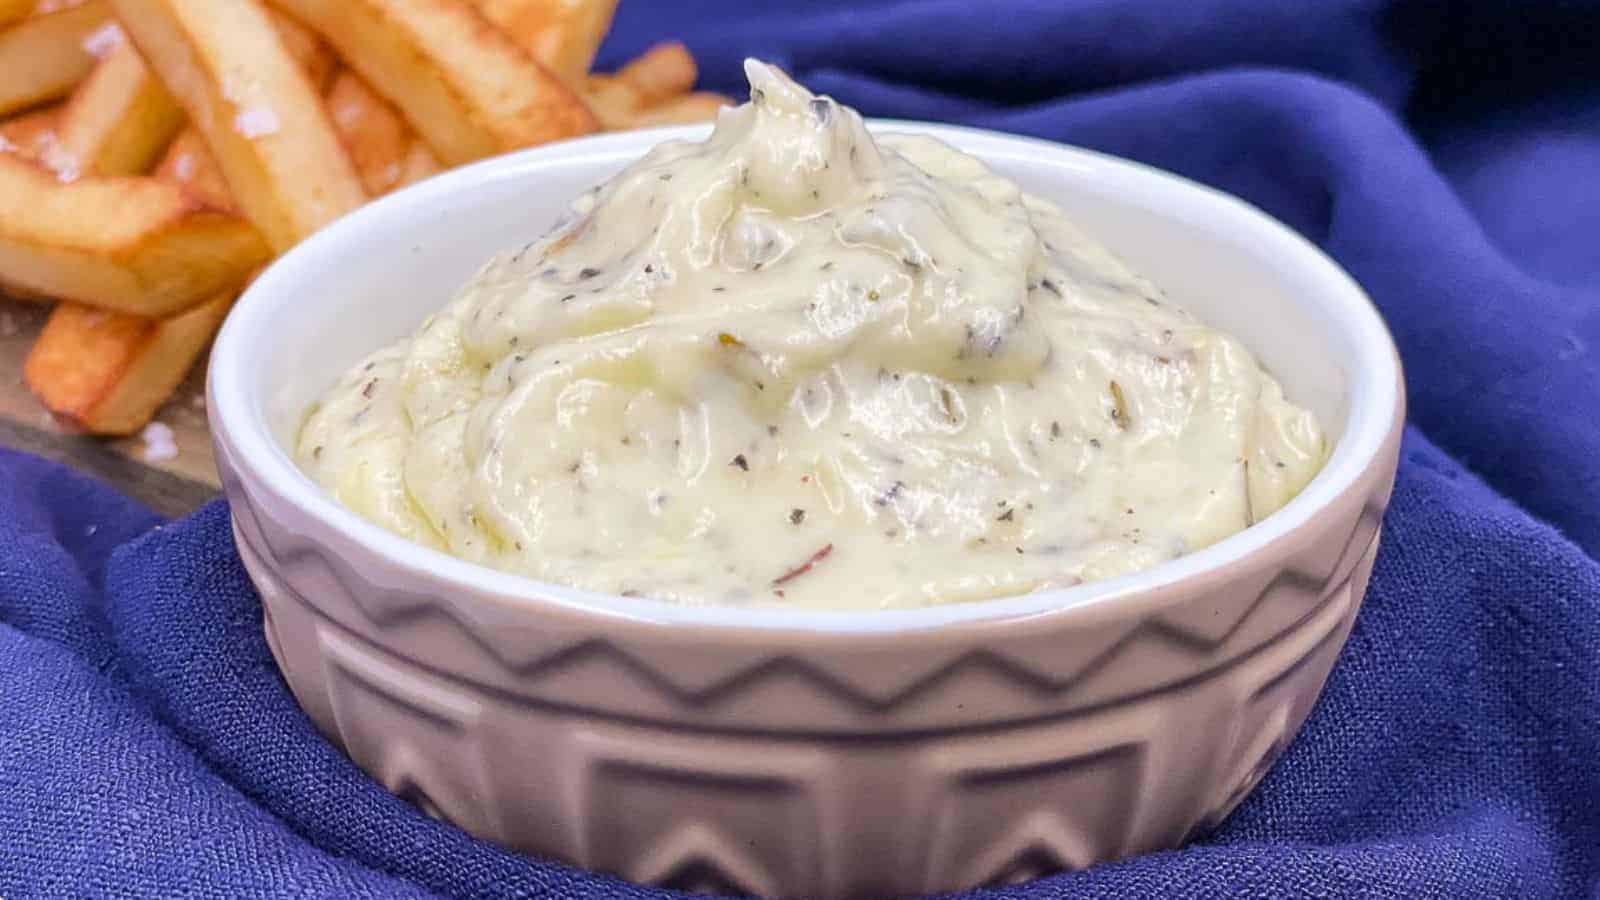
{"type": "Point", "coordinates": [172, 486]}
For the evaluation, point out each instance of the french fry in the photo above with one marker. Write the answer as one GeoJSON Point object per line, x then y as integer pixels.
{"type": "Point", "coordinates": [36, 136]}
{"type": "Point", "coordinates": [107, 372]}
{"type": "Point", "coordinates": [188, 162]}
{"type": "Point", "coordinates": [43, 57]}
{"type": "Point", "coordinates": [31, 134]}
{"type": "Point", "coordinates": [613, 101]}
{"type": "Point", "coordinates": [12, 10]}
{"type": "Point", "coordinates": [562, 35]}
{"type": "Point", "coordinates": [260, 114]}
{"type": "Point", "coordinates": [118, 120]}
{"type": "Point", "coordinates": [315, 57]}
{"type": "Point", "coordinates": [700, 106]}
{"type": "Point", "coordinates": [190, 165]}
{"type": "Point", "coordinates": [463, 85]}
{"type": "Point", "coordinates": [664, 71]}
{"type": "Point", "coordinates": [373, 133]}
{"type": "Point", "coordinates": [120, 117]}
{"type": "Point", "coordinates": [653, 89]}
{"type": "Point", "coordinates": [386, 152]}
{"type": "Point", "coordinates": [127, 244]}
{"type": "Point", "coordinates": [418, 164]}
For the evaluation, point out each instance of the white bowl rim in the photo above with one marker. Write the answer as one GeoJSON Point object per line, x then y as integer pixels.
{"type": "Point", "coordinates": [235, 413]}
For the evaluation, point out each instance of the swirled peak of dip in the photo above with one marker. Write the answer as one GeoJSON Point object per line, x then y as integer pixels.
{"type": "Point", "coordinates": [802, 364]}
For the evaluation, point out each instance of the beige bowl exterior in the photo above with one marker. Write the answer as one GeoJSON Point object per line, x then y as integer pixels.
{"type": "Point", "coordinates": [806, 764]}
{"type": "Point", "coordinates": [794, 761]}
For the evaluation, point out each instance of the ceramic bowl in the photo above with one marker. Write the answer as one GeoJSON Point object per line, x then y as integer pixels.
{"type": "Point", "coordinates": [822, 754]}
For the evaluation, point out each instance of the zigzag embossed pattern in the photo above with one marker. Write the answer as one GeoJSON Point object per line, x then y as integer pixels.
{"type": "Point", "coordinates": [1060, 662]}
{"type": "Point", "coordinates": [782, 763]}
{"type": "Point", "coordinates": [811, 815]}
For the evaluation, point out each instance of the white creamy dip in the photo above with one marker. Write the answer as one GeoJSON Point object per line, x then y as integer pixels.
{"type": "Point", "coordinates": [800, 364]}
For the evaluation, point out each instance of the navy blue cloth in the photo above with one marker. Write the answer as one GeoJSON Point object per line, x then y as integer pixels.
{"type": "Point", "coordinates": [1448, 154]}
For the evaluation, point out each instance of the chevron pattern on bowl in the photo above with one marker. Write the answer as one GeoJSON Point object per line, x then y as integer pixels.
{"type": "Point", "coordinates": [782, 768]}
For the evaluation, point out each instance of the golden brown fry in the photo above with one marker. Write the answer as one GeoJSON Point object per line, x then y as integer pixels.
{"type": "Point", "coordinates": [418, 164]}
{"type": "Point", "coordinates": [613, 101]}
{"type": "Point", "coordinates": [43, 57]}
{"type": "Point", "coordinates": [259, 112]}
{"type": "Point", "coordinates": [562, 35]}
{"type": "Point", "coordinates": [463, 85]}
{"type": "Point", "coordinates": [118, 120]}
{"type": "Point", "coordinates": [660, 73]}
{"type": "Point", "coordinates": [373, 133]}
{"type": "Point", "coordinates": [383, 147]}
{"type": "Point", "coordinates": [36, 136]}
{"type": "Point", "coordinates": [12, 10]}
{"type": "Point", "coordinates": [108, 372]}
{"type": "Point", "coordinates": [31, 134]}
{"type": "Point", "coordinates": [127, 244]}
{"type": "Point", "coordinates": [190, 165]}
{"type": "Point", "coordinates": [700, 106]}
{"type": "Point", "coordinates": [188, 162]}
{"type": "Point", "coordinates": [121, 117]}
{"type": "Point", "coordinates": [315, 57]}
